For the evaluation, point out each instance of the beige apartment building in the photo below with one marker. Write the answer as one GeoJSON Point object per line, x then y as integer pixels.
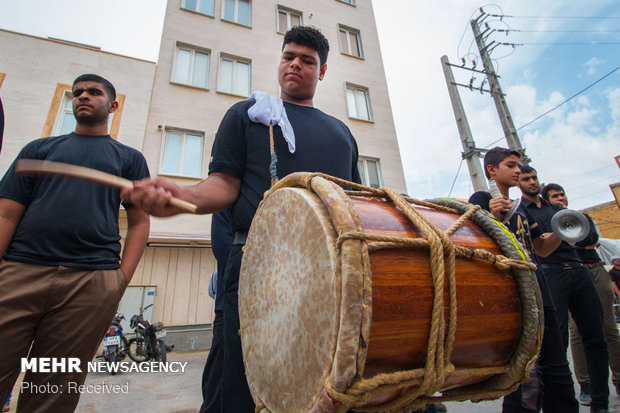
{"type": "Point", "coordinates": [35, 85]}
{"type": "Point", "coordinates": [214, 53]}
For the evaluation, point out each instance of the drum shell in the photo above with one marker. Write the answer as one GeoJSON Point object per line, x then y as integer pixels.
{"type": "Point", "coordinates": [488, 305]}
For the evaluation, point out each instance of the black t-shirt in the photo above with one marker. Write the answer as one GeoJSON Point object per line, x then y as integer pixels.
{"type": "Point", "coordinates": [589, 256]}
{"type": "Point", "coordinates": [565, 252]}
{"type": "Point", "coordinates": [68, 221]}
{"type": "Point", "coordinates": [523, 226]}
{"type": "Point", "coordinates": [221, 243]}
{"type": "Point", "coordinates": [241, 148]}
{"type": "Point", "coordinates": [614, 273]}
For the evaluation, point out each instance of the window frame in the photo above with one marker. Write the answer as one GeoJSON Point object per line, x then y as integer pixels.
{"type": "Point", "coordinates": [193, 49]}
{"type": "Point", "coordinates": [56, 105]}
{"type": "Point", "coordinates": [348, 30]}
{"type": "Point", "coordinates": [364, 174]}
{"type": "Point", "coordinates": [366, 90]}
{"type": "Point", "coordinates": [62, 111]}
{"type": "Point", "coordinates": [349, 2]}
{"type": "Point", "coordinates": [198, 6]}
{"type": "Point", "coordinates": [236, 13]}
{"type": "Point", "coordinates": [162, 152]}
{"type": "Point", "coordinates": [235, 59]}
{"type": "Point", "coordinates": [288, 11]}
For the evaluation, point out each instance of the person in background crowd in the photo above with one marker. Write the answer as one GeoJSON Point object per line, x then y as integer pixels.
{"type": "Point", "coordinates": [572, 288]}
{"type": "Point", "coordinates": [550, 385]}
{"type": "Point", "coordinates": [555, 194]}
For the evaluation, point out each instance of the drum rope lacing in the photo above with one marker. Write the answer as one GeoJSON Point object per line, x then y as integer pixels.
{"type": "Point", "coordinates": [419, 383]}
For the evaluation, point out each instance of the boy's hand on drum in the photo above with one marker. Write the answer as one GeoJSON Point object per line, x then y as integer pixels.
{"type": "Point", "coordinates": [499, 206]}
{"type": "Point", "coordinates": [153, 196]}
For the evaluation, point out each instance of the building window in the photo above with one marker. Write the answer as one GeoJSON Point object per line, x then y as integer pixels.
{"type": "Point", "coordinates": [191, 66]}
{"type": "Point", "coordinates": [234, 76]}
{"type": "Point", "coordinates": [182, 153]}
{"type": "Point", "coordinates": [288, 18]}
{"type": "Point", "coordinates": [351, 2]}
{"type": "Point", "coordinates": [65, 123]}
{"type": "Point", "coordinates": [237, 11]}
{"type": "Point", "coordinates": [370, 172]}
{"type": "Point", "coordinates": [350, 41]}
{"type": "Point", "coordinates": [358, 102]}
{"type": "Point", "coordinates": [201, 6]}
{"type": "Point", "coordinates": [60, 119]}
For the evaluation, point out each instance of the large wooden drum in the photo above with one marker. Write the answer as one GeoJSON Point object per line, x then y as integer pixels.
{"type": "Point", "coordinates": [352, 302]}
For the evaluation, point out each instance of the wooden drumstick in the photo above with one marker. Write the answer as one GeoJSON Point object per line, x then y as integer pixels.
{"type": "Point", "coordinates": [40, 167]}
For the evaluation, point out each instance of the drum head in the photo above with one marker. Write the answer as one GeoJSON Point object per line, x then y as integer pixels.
{"type": "Point", "coordinates": [288, 305]}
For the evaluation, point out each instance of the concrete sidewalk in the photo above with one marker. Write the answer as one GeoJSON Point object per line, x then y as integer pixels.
{"type": "Point", "coordinates": [150, 392]}
{"type": "Point", "coordinates": [181, 392]}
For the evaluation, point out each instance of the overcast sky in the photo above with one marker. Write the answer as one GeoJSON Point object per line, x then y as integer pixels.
{"type": "Point", "coordinates": [563, 47]}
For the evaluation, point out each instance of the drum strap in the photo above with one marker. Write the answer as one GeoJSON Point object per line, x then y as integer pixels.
{"type": "Point", "coordinates": [273, 168]}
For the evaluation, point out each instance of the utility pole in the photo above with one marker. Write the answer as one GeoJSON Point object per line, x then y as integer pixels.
{"type": "Point", "coordinates": [496, 91]}
{"type": "Point", "coordinates": [470, 153]}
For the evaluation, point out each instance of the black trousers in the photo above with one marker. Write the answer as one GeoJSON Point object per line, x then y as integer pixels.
{"type": "Point", "coordinates": [551, 387]}
{"type": "Point", "coordinates": [212, 374]}
{"type": "Point", "coordinates": [236, 397]}
{"type": "Point", "coordinates": [574, 290]}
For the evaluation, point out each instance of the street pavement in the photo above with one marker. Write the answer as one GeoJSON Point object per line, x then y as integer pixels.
{"type": "Point", "coordinates": [180, 392]}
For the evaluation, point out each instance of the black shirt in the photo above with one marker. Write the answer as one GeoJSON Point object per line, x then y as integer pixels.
{"type": "Point", "coordinates": [589, 256]}
{"type": "Point", "coordinates": [241, 148]}
{"type": "Point", "coordinates": [67, 221]}
{"type": "Point", "coordinates": [525, 229]}
{"type": "Point", "coordinates": [565, 252]}
{"type": "Point", "coordinates": [221, 243]}
{"type": "Point", "coordinates": [614, 273]}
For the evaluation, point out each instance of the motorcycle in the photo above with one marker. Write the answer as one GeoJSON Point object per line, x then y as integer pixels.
{"type": "Point", "coordinates": [115, 344]}
{"type": "Point", "coordinates": [150, 340]}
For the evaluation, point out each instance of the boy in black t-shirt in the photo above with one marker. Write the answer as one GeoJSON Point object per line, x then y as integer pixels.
{"type": "Point", "coordinates": [240, 172]}
{"type": "Point", "coordinates": [550, 385]}
{"type": "Point", "coordinates": [61, 274]}
{"type": "Point", "coordinates": [614, 273]}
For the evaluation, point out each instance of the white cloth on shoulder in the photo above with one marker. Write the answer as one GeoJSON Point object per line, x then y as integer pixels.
{"type": "Point", "coordinates": [271, 109]}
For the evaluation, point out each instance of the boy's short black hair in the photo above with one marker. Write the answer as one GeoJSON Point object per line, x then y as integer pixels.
{"type": "Point", "coordinates": [526, 169]}
{"type": "Point", "coordinates": [308, 36]}
{"type": "Point", "coordinates": [495, 156]}
{"type": "Point", "coordinates": [90, 77]}
{"type": "Point", "coordinates": [544, 192]}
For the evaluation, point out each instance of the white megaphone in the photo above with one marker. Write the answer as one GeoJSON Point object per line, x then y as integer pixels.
{"type": "Point", "coordinates": [495, 193]}
{"type": "Point", "coordinates": [570, 225]}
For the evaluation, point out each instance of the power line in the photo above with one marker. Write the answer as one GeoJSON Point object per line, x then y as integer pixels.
{"type": "Point", "coordinates": [570, 98]}
{"type": "Point", "coordinates": [563, 44]}
{"type": "Point", "coordinates": [457, 175]}
{"type": "Point", "coordinates": [587, 173]}
{"type": "Point", "coordinates": [556, 31]}
{"type": "Point", "coordinates": [502, 16]}
{"type": "Point", "coordinates": [608, 178]}
{"type": "Point", "coordinates": [591, 193]}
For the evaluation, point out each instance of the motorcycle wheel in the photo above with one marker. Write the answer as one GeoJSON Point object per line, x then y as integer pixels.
{"type": "Point", "coordinates": [112, 355]}
{"type": "Point", "coordinates": [136, 348]}
{"type": "Point", "coordinates": [162, 352]}
{"type": "Point", "coordinates": [124, 350]}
